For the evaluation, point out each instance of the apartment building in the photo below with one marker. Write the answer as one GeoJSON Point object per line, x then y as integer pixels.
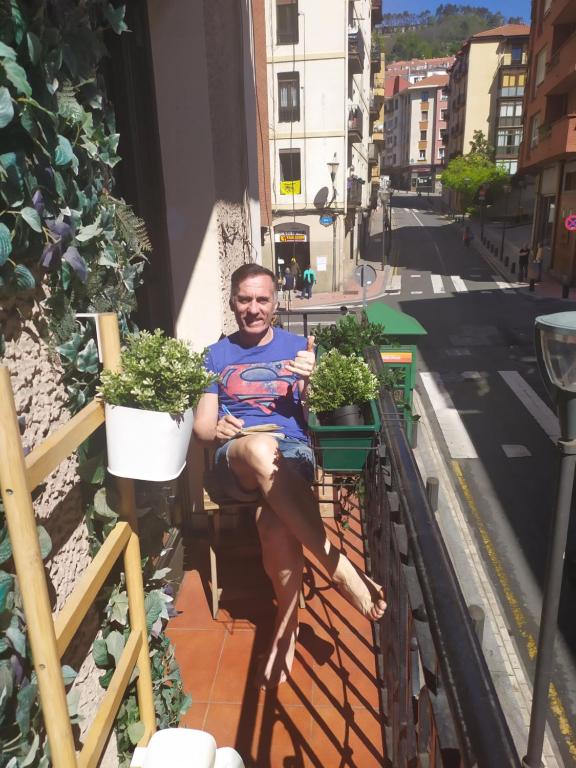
{"type": "Point", "coordinates": [487, 82]}
{"type": "Point", "coordinates": [415, 129]}
{"type": "Point", "coordinates": [415, 70]}
{"type": "Point", "coordinates": [318, 55]}
{"type": "Point", "coordinates": [548, 149]}
{"type": "Point", "coordinates": [376, 146]}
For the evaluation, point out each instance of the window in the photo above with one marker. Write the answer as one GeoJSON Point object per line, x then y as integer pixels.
{"type": "Point", "coordinates": [441, 152]}
{"type": "Point", "coordinates": [286, 22]}
{"type": "Point", "coordinates": [513, 85]}
{"type": "Point", "coordinates": [511, 166]}
{"type": "Point", "coordinates": [570, 181]}
{"type": "Point", "coordinates": [511, 109]}
{"type": "Point", "coordinates": [424, 116]}
{"type": "Point", "coordinates": [288, 97]}
{"type": "Point", "coordinates": [423, 135]}
{"type": "Point", "coordinates": [516, 54]}
{"type": "Point", "coordinates": [540, 70]}
{"type": "Point", "coordinates": [509, 139]}
{"type": "Point", "coordinates": [290, 171]}
{"type": "Point", "coordinates": [421, 154]}
{"type": "Point", "coordinates": [444, 93]}
{"type": "Point", "coordinates": [424, 96]}
{"type": "Point", "coordinates": [444, 114]}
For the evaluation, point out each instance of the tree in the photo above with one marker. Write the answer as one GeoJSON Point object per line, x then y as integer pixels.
{"type": "Point", "coordinates": [467, 173]}
{"type": "Point", "coordinates": [480, 146]}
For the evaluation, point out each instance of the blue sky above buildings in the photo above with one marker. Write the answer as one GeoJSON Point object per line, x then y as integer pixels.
{"type": "Point", "coordinates": [510, 8]}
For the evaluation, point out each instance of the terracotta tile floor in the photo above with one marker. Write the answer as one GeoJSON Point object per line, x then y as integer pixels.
{"type": "Point", "coordinates": [327, 714]}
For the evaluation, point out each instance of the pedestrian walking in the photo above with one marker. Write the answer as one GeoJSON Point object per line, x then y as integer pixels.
{"type": "Point", "coordinates": [308, 280]}
{"type": "Point", "coordinates": [467, 236]}
{"type": "Point", "coordinates": [288, 285]}
{"type": "Point", "coordinates": [523, 259]}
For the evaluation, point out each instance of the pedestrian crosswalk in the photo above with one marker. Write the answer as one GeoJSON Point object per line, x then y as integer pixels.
{"type": "Point", "coordinates": [444, 284]}
{"type": "Point", "coordinates": [438, 387]}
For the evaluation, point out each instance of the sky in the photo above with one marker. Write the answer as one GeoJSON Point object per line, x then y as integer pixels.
{"type": "Point", "coordinates": [509, 8]}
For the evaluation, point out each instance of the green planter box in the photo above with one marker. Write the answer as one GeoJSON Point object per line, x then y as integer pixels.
{"type": "Point", "coordinates": [345, 449]}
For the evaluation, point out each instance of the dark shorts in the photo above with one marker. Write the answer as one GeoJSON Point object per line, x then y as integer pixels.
{"type": "Point", "coordinates": [221, 483]}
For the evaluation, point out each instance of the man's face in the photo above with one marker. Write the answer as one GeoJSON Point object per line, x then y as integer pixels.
{"type": "Point", "coordinates": [254, 305]}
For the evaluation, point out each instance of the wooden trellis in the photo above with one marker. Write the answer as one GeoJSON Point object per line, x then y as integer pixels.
{"type": "Point", "coordinates": [51, 634]}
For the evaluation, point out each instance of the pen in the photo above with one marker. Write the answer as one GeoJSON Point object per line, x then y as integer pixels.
{"type": "Point", "coordinates": [226, 410]}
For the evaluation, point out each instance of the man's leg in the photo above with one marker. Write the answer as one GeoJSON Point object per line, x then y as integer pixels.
{"type": "Point", "coordinates": [257, 464]}
{"type": "Point", "coordinates": [284, 563]}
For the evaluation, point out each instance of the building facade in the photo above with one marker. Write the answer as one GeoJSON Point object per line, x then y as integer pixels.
{"type": "Point", "coordinates": [415, 70]}
{"type": "Point", "coordinates": [548, 148]}
{"type": "Point", "coordinates": [415, 130]}
{"type": "Point", "coordinates": [487, 82]}
{"type": "Point", "coordinates": [318, 56]}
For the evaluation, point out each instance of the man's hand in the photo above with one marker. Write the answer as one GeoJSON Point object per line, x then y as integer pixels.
{"type": "Point", "coordinates": [304, 362]}
{"type": "Point", "coordinates": [227, 427]}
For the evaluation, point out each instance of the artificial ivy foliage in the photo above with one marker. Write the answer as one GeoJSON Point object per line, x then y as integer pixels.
{"type": "Point", "coordinates": [69, 244]}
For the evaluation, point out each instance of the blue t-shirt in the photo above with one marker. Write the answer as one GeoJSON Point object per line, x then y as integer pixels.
{"type": "Point", "coordinates": [254, 383]}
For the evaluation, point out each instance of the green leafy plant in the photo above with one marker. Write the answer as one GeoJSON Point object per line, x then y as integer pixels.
{"type": "Point", "coordinates": [340, 380]}
{"type": "Point", "coordinates": [159, 373]}
{"type": "Point", "coordinates": [350, 335]}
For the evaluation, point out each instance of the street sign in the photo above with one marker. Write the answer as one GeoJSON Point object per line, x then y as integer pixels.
{"type": "Point", "coordinates": [364, 275]}
{"type": "Point", "coordinates": [570, 222]}
{"type": "Point", "coordinates": [326, 219]}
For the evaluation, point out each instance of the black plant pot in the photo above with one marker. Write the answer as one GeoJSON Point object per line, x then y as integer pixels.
{"type": "Point", "coordinates": [345, 416]}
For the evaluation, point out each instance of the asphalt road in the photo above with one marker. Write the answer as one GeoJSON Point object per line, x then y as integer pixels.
{"type": "Point", "coordinates": [478, 377]}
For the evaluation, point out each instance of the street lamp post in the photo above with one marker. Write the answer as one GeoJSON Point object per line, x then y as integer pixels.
{"type": "Point", "coordinates": [333, 168]}
{"type": "Point", "coordinates": [506, 189]}
{"type": "Point", "coordinates": [384, 199]}
{"type": "Point", "coordinates": [556, 352]}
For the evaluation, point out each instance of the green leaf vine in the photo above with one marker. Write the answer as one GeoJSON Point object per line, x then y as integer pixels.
{"type": "Point", "coordinates": [68, 243]}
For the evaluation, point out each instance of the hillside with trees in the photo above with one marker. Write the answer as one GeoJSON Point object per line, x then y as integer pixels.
{"type": "Point", "coordinates": [441, 33]}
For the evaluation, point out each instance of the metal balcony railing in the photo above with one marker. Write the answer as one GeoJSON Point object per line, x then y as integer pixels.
{"type": "Point", "coordinates": [438, 701]}
{"type": "Point", "coordinates": [354, 189]}
{"type": "Point", "coordinates": [355, 50]}
{"type": "Point", "coordinates": [355, 124]}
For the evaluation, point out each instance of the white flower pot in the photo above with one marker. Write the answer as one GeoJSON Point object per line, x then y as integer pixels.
{"type": "Point", "coordinates": [147, 445]}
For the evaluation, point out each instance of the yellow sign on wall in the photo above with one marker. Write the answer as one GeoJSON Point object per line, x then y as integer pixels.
{"type": "Point", "coordinates": [290, 187]}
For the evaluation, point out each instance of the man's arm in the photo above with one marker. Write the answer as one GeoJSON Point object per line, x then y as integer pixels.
{"type": "Point", "coordinates": [207, 427]}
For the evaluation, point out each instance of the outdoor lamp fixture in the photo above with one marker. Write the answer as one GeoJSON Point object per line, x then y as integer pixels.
{"type": "Point", "coordinates": [333, 168]}
{"type": "Point", "coordinates": [556, 353]}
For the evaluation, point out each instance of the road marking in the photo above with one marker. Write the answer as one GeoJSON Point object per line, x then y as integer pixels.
{"type": "Point", "coordinates": [500, 283]}
{"type": "Point", "coordinates": [537, 408]}
{"type": "Point", "coordinates": [457, 352]}
{"type": "Point", "coordinates": [554, 700]}
{"type": "Point", "coordinates": [459, 284]}
{"type": "Point", "coordinates": [416, 293]}
{"type": "Point", "coordinates": [485, 291]}
{"type": "Point", "coordinates": [516, 451]}
{"type": "Point", "coordinates": [455, 433]}
{"type": "Point", "coordinates": [415, 275]}
{"type": "Point", "coordinates": [437, 283]}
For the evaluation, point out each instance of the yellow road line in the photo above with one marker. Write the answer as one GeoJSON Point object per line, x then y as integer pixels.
{"type": "Point", "coordinates": [556, 706]}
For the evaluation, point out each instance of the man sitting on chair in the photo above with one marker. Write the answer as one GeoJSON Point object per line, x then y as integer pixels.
{"type": "Point", "coordinates": [263, 378]}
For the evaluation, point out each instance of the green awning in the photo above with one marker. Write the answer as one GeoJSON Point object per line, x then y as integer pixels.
{"type": "Point", "coordinates": [395, 323]}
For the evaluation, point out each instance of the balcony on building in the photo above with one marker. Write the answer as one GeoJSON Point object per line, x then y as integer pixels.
{"type": "Point", "coordinates": [561, 68]}
{"type": "Point", "coordinates": [373, 153]}
{"type": "Point", "coordinates": [561, 12]}
{"type": "Point", "coordinates": [375, 57]}
{"type": "Point", "coordinates": [376, 11]}
{"type": "Point", "coordinates": [355, 125]}
{"type": "Point", "coordinates": [375, 104]}
{"type": "Point", "coordinates": [354, 185]}
{"type": "Point", "coordinates": [355, 50]}
{"type": "Point", "coordinates": [551, 141]}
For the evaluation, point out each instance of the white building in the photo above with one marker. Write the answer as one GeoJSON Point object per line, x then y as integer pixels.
{"type": "Point", "coordinates": [318, 74]}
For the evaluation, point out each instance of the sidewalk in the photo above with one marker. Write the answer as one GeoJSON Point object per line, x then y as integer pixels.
{"type": "Point", "coordinates": [514, 237]}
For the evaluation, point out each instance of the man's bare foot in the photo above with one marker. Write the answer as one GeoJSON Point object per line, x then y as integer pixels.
{"type": "Point", "coordinates": [360, 591]}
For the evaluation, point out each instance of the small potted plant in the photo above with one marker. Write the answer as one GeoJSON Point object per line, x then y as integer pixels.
{"type": "Point", "coordinates": [343, 414]}
{"type": "Point", "coordinates": [149, 406]}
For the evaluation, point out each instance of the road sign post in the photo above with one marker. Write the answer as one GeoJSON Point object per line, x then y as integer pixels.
{"type": "Point", "coordinates": [364, 275]}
